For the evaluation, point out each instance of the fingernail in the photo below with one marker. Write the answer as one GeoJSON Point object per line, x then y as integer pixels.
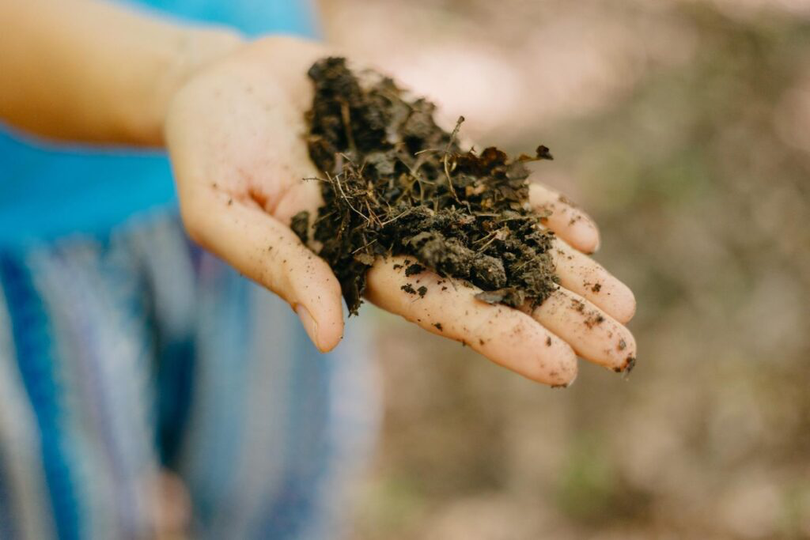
{"type": "Point", "coordinates": [597, 245]}
{"type": "Point", "coordinates": [309, 324]}
{"type": "Point", "coordinates": [628, 367]}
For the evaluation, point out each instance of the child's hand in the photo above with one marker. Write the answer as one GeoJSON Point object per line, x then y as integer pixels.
{"type": "Point", "coordinates": [235, 136]}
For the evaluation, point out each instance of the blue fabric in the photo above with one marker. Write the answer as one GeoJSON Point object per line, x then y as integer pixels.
{"type": "Point", "coordinates": [267, 434]}
{"type": "Point", "coordinates": [286, 517]}
{"type": "Point", "coordinates": [48, 191]}
{"type": "Point", "coordinates": [32, 338]}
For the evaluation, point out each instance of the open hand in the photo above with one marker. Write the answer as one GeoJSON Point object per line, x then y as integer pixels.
{"type": "Point", "coordinates": [235, 136]}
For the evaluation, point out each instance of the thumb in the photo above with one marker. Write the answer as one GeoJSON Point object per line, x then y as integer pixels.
{"type": "Point", "coordinates": [268, 252]}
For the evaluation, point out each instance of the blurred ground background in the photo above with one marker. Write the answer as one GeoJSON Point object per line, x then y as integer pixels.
{"type": "Point", "coordinates": [684, 128]}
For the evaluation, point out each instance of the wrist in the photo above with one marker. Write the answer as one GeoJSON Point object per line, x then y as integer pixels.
{"type": "Point", "coordinates": [187, 52]}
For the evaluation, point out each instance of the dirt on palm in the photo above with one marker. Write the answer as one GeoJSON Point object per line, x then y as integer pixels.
{"type": "Point", "coordinates": [395, 183]}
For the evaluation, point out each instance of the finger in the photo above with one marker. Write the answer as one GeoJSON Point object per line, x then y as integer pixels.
{"type": "Point", "coordinates": [584, 276]}
{"type": "Point", "coordinates": [594, 335]}
{"type": "Point", "coordinates": [566, 220]}
{"type": "Point", "coordinates": [302, 195]}
{"type": "Point", "coordinates": [506, 336]}
{"type": "Point", "coordinates": [268, 252]}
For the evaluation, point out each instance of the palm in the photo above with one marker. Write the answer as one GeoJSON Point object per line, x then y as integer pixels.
{"type": "Point", "coordinates": [235, 134]}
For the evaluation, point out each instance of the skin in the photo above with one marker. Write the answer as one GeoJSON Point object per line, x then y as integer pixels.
{"type": "Point", "coordinates": [235, 136]}
{"type": "Point", "coordinates": [231, 115]}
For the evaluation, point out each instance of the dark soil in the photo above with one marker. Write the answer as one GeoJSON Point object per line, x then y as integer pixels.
{"type": "Point", "coordinates": [394, 183]}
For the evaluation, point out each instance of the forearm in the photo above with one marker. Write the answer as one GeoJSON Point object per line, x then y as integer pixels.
{"type": "Point", "coordinates": [87, 70]}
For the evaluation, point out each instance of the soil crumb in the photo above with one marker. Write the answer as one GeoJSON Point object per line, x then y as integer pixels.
{"type": "Point", "coordinates": [395, 183]}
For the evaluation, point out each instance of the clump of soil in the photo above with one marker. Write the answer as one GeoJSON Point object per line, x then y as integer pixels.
{"type": "Point", "coordinates": [395, 183]}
